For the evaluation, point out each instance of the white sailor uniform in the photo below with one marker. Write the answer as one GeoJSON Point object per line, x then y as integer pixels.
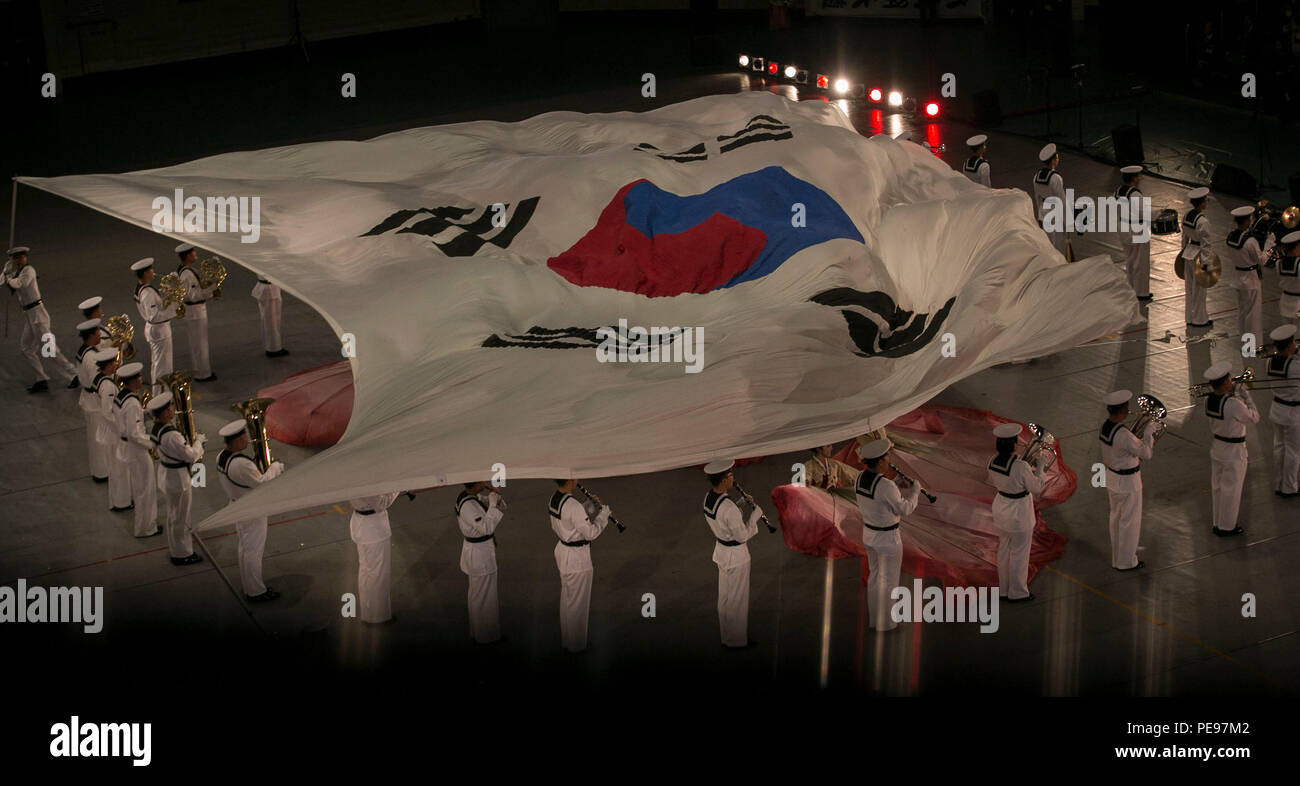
{"type": "Point", "coordinates": [1137, 255]}
{"type": "Point", "coordinates": [731, 555]}
{"type": "Point", "coordinates": [1242, 260]}
{"type": "Point", "coordinates": [157, 330]}
{"type": "Point", "coordinates": [1288, 280]}
{"type": "Point", "coordinates": [196, 320]}
{"type": "Point", "coordinates": [1049, 183]}
{"type": "Point", "coordinates": [175, 456]}
{"type": "Point", "coordinates": [88, 402]}
{"type": "Point", "coordinates": [1013, 514]}
{"type": "Point", "coordinates": [478, 561]}
{"type": "Point", "coordinates": [373, 534]}
{"type": "Point", "coordinates": [269, 300]}
{"type": "Point", "coordinates": [1229, 416]}
{"type": "Point", "coordinates": [133, 452]}
{"type": "Point", "coordinates": [1285, 415]}
{"type": "Point", "coordinates": [882, 506]}
{"type": "Point", "coordinates": [1196, 246]}
{"type": "Point", "coordinates": [575, 530]}
{"type": "Point", "coordinates": [1123, 453]}
{"type": "Point", "coordinates": [36, 320]}
{"type": "Point", "coordinates": [240, 475]}
{"type": "Point", "coordinates": [119, 470]}
{"type": "Point", "coordinates": [977, 169]}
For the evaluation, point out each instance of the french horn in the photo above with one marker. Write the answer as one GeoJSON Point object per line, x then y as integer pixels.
{"type": "Point", "coordinates": [173, 293]}
{"type": "Point", "coordinates": [211, 274]}
{"type": "Point", "coordinates": [121, 331]}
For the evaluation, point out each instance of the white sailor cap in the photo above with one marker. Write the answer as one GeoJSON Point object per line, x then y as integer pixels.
{"type": "Point", "coordinates": [88, 325]}
{"type": "Point", "coordinates": [1243, 211]}
{"type": "Point", "coordinates": [1047, 152]}
{"type": "Point", "coordinates": [1114, 399]}
{"type": "Point", "coordinates": [1007, 430]}
{"type": "Point", "coordinates": [1291, 237]}
{"type": "Point", "coordinates": [159, 401]}
{"type": "Point", "coordinates": [105, 355]}
{"type": "Point", "coordinates": [719, 466]}
{"type": "Point", "coordinates": [233, 429]}
{"type": "Point", "coordinates": [1198, 193]}
{"type": "Point", "coordinates": [130, 370]}
{"type": "Point", "coordinates": [147, 262]}
{"type": "Point", "coordinates": [1131, 169]}
{"type": "Point", "coordinates": [90, 303]}
{"type": "Point", "coordinates": [1282, 333]}
{"type": "Point", "coordinates": [16, 250]}
{"type": "Point", "coordinates": [184, 248]}
{"type": "Point", "coordinates": [874, 450]}
{"type": "Point", "coordinates": [1217, 371]}
{"type": "Point", "coordinates": [977, 140]}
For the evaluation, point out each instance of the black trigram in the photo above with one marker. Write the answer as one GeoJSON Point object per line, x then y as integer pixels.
{"type": "Point", "coordinates": [576, 338]}
{"type": "Point", "coordinates": [695, 153]}
{"type": "Point", "coordinates": [461, 231]}
{"type": "Point", "coordinates": [878, 326]}
{"type": "Point", "coordinates": [760, 128]}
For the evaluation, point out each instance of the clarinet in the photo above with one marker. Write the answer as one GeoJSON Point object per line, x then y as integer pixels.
{"type": "Point", "coordinates": [751, 501]}
{"type": "Point", "coordinates": [612, 518]}
{"type": "Point", "coordinates": [924, 493]}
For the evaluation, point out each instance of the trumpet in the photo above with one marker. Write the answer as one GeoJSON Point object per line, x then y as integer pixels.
{"type": "Point", "coordinates": [612, 518]}
{"type": "Point", "coordinates": [211, 273]}
{"type": "Point", "coordinates": [253, 411]}
{"type": "Point", "coordinates": [763, 518]}
{"type": "Point", "coordinates": [1152, 409]}
{"type": "Point", "coordinates": [173, 293]}
{"type": "Point", "coordinates": [924, 493]}
{"type": "Point", "coordinates": [121, 331]}
{"type": "Point", "coordinates": [1042, 441]}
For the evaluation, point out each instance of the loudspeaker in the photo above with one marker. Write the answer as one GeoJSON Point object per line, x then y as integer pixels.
{"type": "Point", "coordinates": [1232, 180]}
{"type": "Point", "coordinates": [988, 111]}
{"type": "Point", "coordinates": [1127, 140]}
{"type": "Point", "coordinates": [1293, 182]}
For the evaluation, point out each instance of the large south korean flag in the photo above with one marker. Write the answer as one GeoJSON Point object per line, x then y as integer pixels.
{"type": "Point", "coordinates": [476, 263]}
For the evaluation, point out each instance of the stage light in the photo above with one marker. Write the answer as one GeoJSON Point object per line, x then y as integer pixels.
{"type": "Point", "coordinates": [801, 76]}
{"type": "Point", "coordinates": [895, 98]}
{"type": "Point", "coordinates": [790, 71]}
{"type": "Point", "coordinates": [756, 63]}
{"type": "Point", "coordinates": [823, 81]}
{"type": "Point", "coordinates": [875, 94]}
{"type": "Point", "coordinates": [744, 61]}
{"type": "Point", "coordinates": [841, 86]}
{"type": "Point", "coordinates": [909, 106]}
{"type": "Point", "coordinates": [859, 91]}
{"type": "Point", "coordinates": [932, 109]}
{"type": "Point", "coordinates": [772, 68]}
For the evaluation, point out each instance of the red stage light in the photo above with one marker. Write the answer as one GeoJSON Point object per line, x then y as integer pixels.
{"type": "Point", "coordinates": [875, 94]}
{"type": "Point", "coordinates": [932, 109]}
{"type": "Point", "coordinates": [823, 81]}
{"type": "Point", "coordinates": [771, 68]}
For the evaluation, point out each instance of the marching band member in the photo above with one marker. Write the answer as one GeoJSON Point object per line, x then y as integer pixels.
{"type": "Point", "coordinates": [975, 167]}
{"type": "Point", "coordinates": [573, 526]}
{"type": "Point", "coordinates": [1242, 251]}
{"type": "Point", "coordinates": [176, 457]}
{"type": "Point", "coordinates": [196, 313]}
{"type": "Point", "coordinates": [1122, 452]}
{"type": "Point", "coordinates": [269, 304]}
{"type": "Point", "coordinates": [1049, 183]}
{"type": "Point", "coordinates": [478, 558]}
{"type": "Point", "coordinates": [823, 472]}
{"type": "Point", "coordinates": [89, 398]}
{"type": "Point", "coordinates": [1230, 410]}
{"type": "Point", "coordinates": [91, 308]}
{"type": "Point", "coordinates": [119, 472]}
{"type": "Point", "coordinates": [882, 505]}
{"type": "Point", "coordinates": [731, 554]}
{"type": "Point", "coordinates": [20, 278]}
{"type": "Point", "coordinates": [373, 534]}
{"type": "Point", "coordinates": [133, 450]}
{"type": "Point", "coordinates": [239, 475]}
{"type": "Point", "coordinates": [1013, 510]}
{"type": "Point", "coordinates": [157, 327]}
{"type": "Point", "coordinates": [1137, 256]}
{"type": "Point", "coordinates": [1196, 246]}
{"type": "Point", "coordinates": [1288, 276]}
{"type": "Point", "coordinates": [1285, 412]}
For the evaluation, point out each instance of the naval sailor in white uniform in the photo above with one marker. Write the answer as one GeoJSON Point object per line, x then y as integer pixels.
{"type": "Point", "coordinates": [1017, 483]}
{"type": "Point", "coordinates": [1196, 248]}
{"type": "Point", "coordinates": [1049, 184]}
{"type": "Point", "coordinates": [732, 532]}
{"type": "Point", "coordinates": [478, 522]}
{"type": "Point", "coordinates": [240, 475]}
{"type": "Point", "coordinates": [88, 400]}
{"type": "Point", "coordinates": [1230, 410]}
{"type": "Point", "coordinates": [133, 450]}
{"type": "Point", "coordinates": [373, 534]}
{"type": "Point", "coordinates": [92, 308]}
{"type": "Point", "coordinates": [882, 505]}
{"type": "Point", "coordinates": [1285, 411]}
{"type": "Point", "coordinates": [1122, 452]}
{"type": "Point", "coordinates": [269, 305]}
{"type": "Point", "coordinates": [20, 279]}
{"type": "Point", "coordinates": [575, 529]}
{"type": "Point", "coordinates": [157, 322]}
{"type": "Point", "coordinates": [105, 386]}
{"type": "Point", "coordinates": [196, 312]}
{"type": "Point", "coordinates": [175, 457]}
{"type": "Point", "coordinates": [1243, 261]}
{"type": "Point", "coordinates": [1137, 255]}
{"type": "Point", "coordinates": [1288, 276]}
{"type": "Point", "coordinates": [976, 167]}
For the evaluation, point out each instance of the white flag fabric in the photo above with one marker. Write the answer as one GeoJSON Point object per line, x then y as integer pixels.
{"type": "Point", "coordinates": [838, 281]}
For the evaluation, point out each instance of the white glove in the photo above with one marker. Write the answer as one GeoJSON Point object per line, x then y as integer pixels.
{"type": "Point", "coordinates": [275, 470]}
{"type": "Point", "coordinates": [604, 511]}
{"type": "Point", "coordinates": [498, 500]}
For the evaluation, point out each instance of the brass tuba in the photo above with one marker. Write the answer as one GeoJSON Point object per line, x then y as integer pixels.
{"type": "Point", "coordinates": [1042, 441]}
{"type": "Point", "coordinates": [211, 273]}
{"type": "Point", "coordinates": [173, 293]}
{"type": "Point", "coordinates": [121, 331]}
{"type": "Point", "coordinates": [253, 411]}
{"type": "Point", "coordinates": [179, 384]}
{"type": "Point", "coordinates": [1152, 409]}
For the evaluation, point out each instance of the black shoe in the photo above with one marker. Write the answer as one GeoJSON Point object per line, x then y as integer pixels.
{"type": "Point", "coordinates": [74, 383]}
{"type": "Point", "coordinates": [123, 510]}
{"type": "Point", "coordinates": [1026, 598]}
{"type": "Point", "coordinates": [1146, 298]}
{"type": "Point", "coordinates": [190, 560]}
{"type": "Point", "coordinates": [749, 645]}
{"type": "Point", "coordinates": [1201, 325]}
{"type": "Point", "coordinates": [1227, 533]}
{"type": "Point", "coordinates": [39, 386]}
{"type": "Point", "coordinates": [153, 534]}
{"type": "Point", "coordinates": [99, 480]}
{"type": "Point", "coordinates": [270, 594]}
{"type": "Point", "coordinates": [1140, 564]}
{"type": "Point", "coordinates": [279, 353]}
{"type": "Point", "coordinates": [1287, 494]}
{"type": "Point", "coordinates": [208, 378]}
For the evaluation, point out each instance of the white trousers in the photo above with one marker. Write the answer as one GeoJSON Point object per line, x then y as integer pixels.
{"type": "Point", "coordinates": [1013, 562]}
{"type": "Point", "coordinates": [96, 450]}
{"type": "Point", "coordinates": [35, 327]}
{"type": "Point", "coordinates": [177, 498]}
{"type": "Point", "coordinates": [160, 353]}
{"type": "Point", "coordinates": [1227, 475]}
{"type": "Point", "coordinates": [1125, 520]}
{"type": "Point", "coordinates": [1137, 263]}
{"type": "Point", "coordinates": [119, 475]}
{"type": "Point", "coordinates": [733, 604]}
{"type": "Point", "coordinates": [252, 543]}
{"type": "Point", "coordinates": [144, 490]}
{"type": "Point", "coordinates": [1248, 307]}
{"type": "Point", "coordinates": [196, 328]}
{"type": "Point", "coordinates": [1194, 311]}
{"type": "Point", "coordinates": [270, 310]}
{"type": "Point", "coordinates": [374, 575]}
{"type": "Point", "coordinates": [575, 603]}
{"type": "Point", "coordinates": [1286, 456]}
{"type": "Point", "coordinates": [484, 608]}
{"type": "Point", "coordinates": [884, 563]}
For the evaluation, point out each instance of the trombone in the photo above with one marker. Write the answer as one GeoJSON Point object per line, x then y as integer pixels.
{"type": "Point", "coordinates": [1245, 379]}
